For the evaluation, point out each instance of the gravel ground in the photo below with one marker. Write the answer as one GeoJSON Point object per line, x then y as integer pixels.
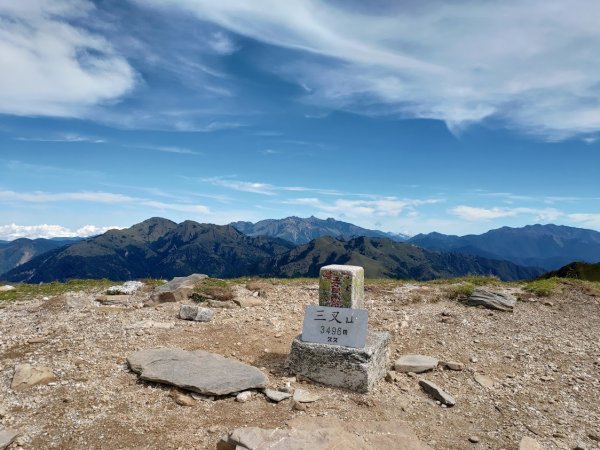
{"type": "Point", "coordinates": [541, 365]}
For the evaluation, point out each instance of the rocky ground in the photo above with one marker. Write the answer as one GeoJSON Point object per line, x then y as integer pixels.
{"type": "Point", "coordinates": [533, 372]}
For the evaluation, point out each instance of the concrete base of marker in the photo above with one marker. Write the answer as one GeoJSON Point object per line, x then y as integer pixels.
{"type": "Point", "coordinates": [357, 369]}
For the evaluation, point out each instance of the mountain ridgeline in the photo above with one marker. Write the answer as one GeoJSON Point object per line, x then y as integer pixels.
{"type": "Point", "coordinates": [547, 246]}
{"type": "Point", "coordinates": [160, 248]}
{"type": "Point", "coordinates": [20, 251]}
{"type": "Point", "coordinates": [301, 231]}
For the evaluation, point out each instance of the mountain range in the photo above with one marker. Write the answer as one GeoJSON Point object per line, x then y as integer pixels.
{"type": "Point", "coordinates": [19, 251]}
{"type": "Point", "coordinates": [160, 248]}
{"type": "Point", "coordinates": [301, 231]}
{"type": "Point", "coordinates": [545, 246]}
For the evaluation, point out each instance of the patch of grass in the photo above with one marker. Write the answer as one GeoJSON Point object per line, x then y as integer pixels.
{"type": "Point", "coordinates": [460, 290]}
{"type": "Point", "coordinates": [543, 288]}
{"type": "Point", "coordinates": [213, 288]}
{"type": "Point", "coordinates": [26, 291]}
{"type": "Point", "coordinates": [472, 280]}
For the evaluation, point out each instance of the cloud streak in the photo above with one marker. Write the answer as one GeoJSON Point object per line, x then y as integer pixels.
{"type": "Point", "coordinates": [99, 197]}
{"type": "Point", "coordinates": [527, 63]}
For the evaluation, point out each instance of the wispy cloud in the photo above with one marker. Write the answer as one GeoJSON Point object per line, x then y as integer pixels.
{"type": "Point", "coordinates": [169, 149]}
{"type": "Point", "coordinates": [526, 63]}
{"type": "Point", "coordinates": [65, 137]}
{"type": "Point", "coordinates": [264, 188]}
{"type": "Point", "coordinates": [351, 208]}
{"type": "Point", "coordinates": [222, 44]}
{"type": "Point", "coordinates": [13, 231]}
{"type": "Point", "coordinates": [98, 197]}
{"type": "Point", "coordinates": [53, 67]}
{"type": "Point", "coordinates": [472, 213]}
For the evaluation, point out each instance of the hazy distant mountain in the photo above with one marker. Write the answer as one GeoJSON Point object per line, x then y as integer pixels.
{"type": "Point", "coordinates": [301, 231]}
{"type": "Point", "coordinates": [20, 251]}
{"type": "Point", "coordinates": [578, 270]}
{"type": "Point", "coordinates": [161, 248]}
{"type": "Point", "coordinates": [546, 246]}
{"type": "Point", "coordinates": [384, 258]}
{"type": "Point", "coordinates": [155, 248]}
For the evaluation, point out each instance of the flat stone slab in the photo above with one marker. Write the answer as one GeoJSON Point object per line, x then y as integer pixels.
{"type": "Point", "coordinates": [199, 371]}
{"type": "Point", "coordinates": [276, 396]}
{"type": "Point", "coordinates": [27, 376]}
{"type": "Point", "coordinates": [321, 434]}
{"type": "Point", "coordinates": [415, 363]}
{"type": "Point", "coordinates": [500, 301]}
{"type": "Point", "coordinates": [357, 369]}
{"type": "Point", "coordinates": [437, 392]}
{"type": "Point", "coordinates": [7, 436]}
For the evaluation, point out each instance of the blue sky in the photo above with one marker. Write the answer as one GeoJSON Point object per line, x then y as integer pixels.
{"type": "Point", "coordinates": [456, 117]}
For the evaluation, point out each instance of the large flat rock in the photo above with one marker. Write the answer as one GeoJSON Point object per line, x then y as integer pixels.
{"type": "Point", "coordinates": [199, 371]}
{"type": "Point", "coordinates": [322, 434]}
{"type": "Point", "coordinates": [176, 290]}
{"type": "Point", "coordinates": [500, 301]}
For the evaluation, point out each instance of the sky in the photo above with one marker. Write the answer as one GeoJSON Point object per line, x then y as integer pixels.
{"type": "Point", "coordinates": [405, 116]}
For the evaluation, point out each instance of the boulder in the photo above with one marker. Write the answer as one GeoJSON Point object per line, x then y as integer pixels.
{"type": "Point", "coordinates": [415, 363]}
{"type": "Point", "coordinates": [321, 433]}
{"type": "Point", "coordinates": [198, 371]}
{"type": "Point", "coordinates": [7, 436]}
{"type": "Point", "coordinates": [194, 312]}
{"type": "Point", "coordinates": [27, 376]}
{"type": "Point", "coordinates": [437, 393]}
{"type": "Point", "coordinates": [176, 290]}
{"type": "Point", "coordinates": [7, 287]}
{"type": "Point", "coordinates": [500, 301]}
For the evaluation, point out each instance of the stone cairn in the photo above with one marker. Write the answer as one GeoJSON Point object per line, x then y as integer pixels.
{"type": "Point", "coordinates": [335, 347]}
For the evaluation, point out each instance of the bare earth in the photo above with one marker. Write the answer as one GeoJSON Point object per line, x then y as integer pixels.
{"type": "Point", "coordinates": [543, 361]}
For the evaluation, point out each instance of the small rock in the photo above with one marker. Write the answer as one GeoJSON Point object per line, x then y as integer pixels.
{"type": "Point", "coordinates": [594, 437]}
{"type": "Point", "coordinates": [546, 378]}
{"type": "Point", "coordinates": [248, 302]}
{"type": "Point", "coordinates": [27, 375]}
{"type": "Point", "coordinates": [297, 406]}
{"type": "Point", "coordinates": [276, 396]}
{"type": "Point", "coordinates": [484, 381]}
{"type": "Point", "coordinates": [243, 397]}
{"type": "Point", "coordinates": [182, 399]}
{"type": "Point", "coordinates": [391, 376]}
{"type": "Point", "coordinates": [116, 300]}
{"type": "Point", "coordinates": [453, 365]}
{"type": "Point", "coordinates": [196, 313]}
{"type": "Point", "coordinates": [473, 359]}
{"type": "Point", "coordinates": [437, 393]}
{"type": "Point", "coordinates": [474, 439]}
{"type": "Point", "coordinates": [528, 443]}
{"type": "Point", "coordinates": [547, 303]}
{"type": "Point", "coordinates": [415, 363]}
{"type": "Point", "coordinates": [143, 324]}
{"type": "Point", "coordinates": [303, 396]}
{"type": "Point", "coordinates": [7, 437]}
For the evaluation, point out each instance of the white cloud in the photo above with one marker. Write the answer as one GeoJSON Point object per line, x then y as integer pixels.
{"type": "Point", "coordinates": [472, 213]}
{"type": "Point", "coordinates": [526, 62]}
{"type": "Point", "coordinates": [99, 197]}
{"type": "Point", "coordinates": [586, 220]}
{"type": "Point", "coordinates": [51, 66]}
{"type": "Point", "coordinates": [65, 137]}
{"type": "Point", "coordinates": [350, 209]}
{"type": "Point", "coordinates": [14, 231]}
{"type": "Point", "coordinates": [222, 44]}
